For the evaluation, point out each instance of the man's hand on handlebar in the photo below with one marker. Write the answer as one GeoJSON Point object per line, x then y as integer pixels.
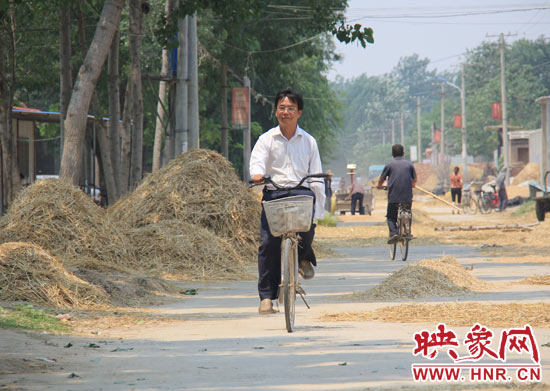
{"type": "Point", "coordinates": [257, 178]}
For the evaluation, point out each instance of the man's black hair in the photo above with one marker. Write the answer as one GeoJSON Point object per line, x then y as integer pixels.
{"type": "Point", "coordinates": [292, 96]}
{"type": "Point", "coordinates": [397, 150]}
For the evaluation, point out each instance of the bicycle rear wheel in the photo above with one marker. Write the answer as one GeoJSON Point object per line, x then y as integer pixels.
{"type": "Point", "coordinates": [290, 258]}
{"type": "Point", "coordinates": [404, 232]}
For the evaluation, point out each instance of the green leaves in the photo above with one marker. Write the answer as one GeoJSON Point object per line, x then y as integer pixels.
{"type": "Point", "coordinates": [347, 33]}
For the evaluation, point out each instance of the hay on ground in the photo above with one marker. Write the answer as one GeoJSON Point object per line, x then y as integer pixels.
{"type": "Point", "coordinates": [61, 219]}
{"type": "Point", "coordinates": [536, 280]}
{"type": "Point", "coordinates": [455, 314]}
{"type": "Point", "coordinates": [530, 171]}
{"type": "Point", "coordinates": [456, 273]}
{"type": "Point", "coordinates": [199, 187]}
{"type": "Point", "coordinates": [186, 250]}
{"type": "Point", "coordinates": [429, 278]}
{"type": "Point", "coordinates": [29, 273]}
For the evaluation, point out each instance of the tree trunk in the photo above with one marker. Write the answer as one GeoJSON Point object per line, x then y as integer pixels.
{"type": "Point", "coordinates": [125, 144]}
{"type": "Point", "coordinates": [135, 96]}
{"type": "Point", "coordinates": [114, 114]}
{"type": "Point", "coordinates": [170, 143]}
{"type": "Point", "coordinates": [101, 135]}
{"type": "Point", "coordinates": [159, 127]}
{"type": "Point", "coordinates": [8, 135]}
{"type": "Point", "coordinates": [225, 144]}
{"type": "Point", "coordinates": [75, 124]}
{"type": "Point", "coordinates": [65, 71]}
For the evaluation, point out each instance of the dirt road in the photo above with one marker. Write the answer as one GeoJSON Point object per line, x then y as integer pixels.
{"type": "Point", "coordinates": [221, 343]}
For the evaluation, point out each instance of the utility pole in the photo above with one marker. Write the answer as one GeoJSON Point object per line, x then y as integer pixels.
{"type": "Point", "coordinates": [504, 116]}
{"type": "Point", "coordinates": [463, 123]}
{"type": "Point", "coordinates": [418, 138]}
{"type": "Point", "coordinates": [193, 86]}
{"type": "Point", "coordinates": [181, 131]}
{"type": "Point", "coordinates": [402, 130]}
{"type": "Point", "coordinates": [246, 137]}
{"type": "Point", "coordinates": [443, 122]}
{"type": "Point", "coordinates": [505, 140]}
{"type": "Point", "coordinates": [392, 131]}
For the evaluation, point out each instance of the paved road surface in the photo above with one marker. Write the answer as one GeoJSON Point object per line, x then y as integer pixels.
{"type": "Point", "coordinates": [225, 345]}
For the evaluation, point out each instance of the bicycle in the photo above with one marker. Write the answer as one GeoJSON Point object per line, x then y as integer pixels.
{"type": "Point", "coordinates": [286, 217]}
{"type": "Point", "coordinates": [487, 200]}
{"type": "Point", "coordinates": [404, 221]}
{"type": "Point", "coordinates": [470, 204]}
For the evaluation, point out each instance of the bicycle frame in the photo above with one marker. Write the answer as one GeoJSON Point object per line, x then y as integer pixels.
{"type": "Point", "coordinates": [289, 254]}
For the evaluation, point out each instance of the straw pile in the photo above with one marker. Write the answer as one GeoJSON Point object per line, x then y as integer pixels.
{"type": "Point", "coordinates": [190, 251]}
{"type": "Point", "coordinates": [530, 171]}
{"type": "Point", "coordinates": [429, 278]}
{"type": "Point", "coordinates": [29, 273]}
{"type": "Point", "coordinates": [61, 219]}
{"type": "Point", "coordinates": [455, 314]}
{"type": "Point", "coordinates": [199, 187]}
{"type": "Point", "coordinates": [455, 273]}
{"type": "Point", "coordinates": [536, 280]}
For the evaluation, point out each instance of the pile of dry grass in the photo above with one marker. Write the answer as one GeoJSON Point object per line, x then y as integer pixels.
{"type": "Point", "coordinates": [457, 274]}
{"type": "Point", "coordinates": [199, 187]}
{"type": "Point", "coordinates": [29, 273]}
{"type": "Point", "coordinates": [61, 219]}
{"type": "Point", "coordinates": [530, 171]}
{"type": "Point", "coordinates": [186, 250]}
{"type": "Point", "coordinates": [429, 278]}
{"type": "Point", "coordinates": [536, 280]}
{"type": "Point", "coordinates": [455, 314]}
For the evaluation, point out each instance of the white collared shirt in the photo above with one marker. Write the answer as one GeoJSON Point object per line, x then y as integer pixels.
{"type": "Point", "coordinates": [288, 161]}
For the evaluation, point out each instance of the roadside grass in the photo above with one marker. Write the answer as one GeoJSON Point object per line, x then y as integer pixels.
{"type": "Point", "coordinates": [329, 220]}
{"type": "Point", "coordinates": [526, 207]}
{"type": "Point", "coordinates": [25, 316]}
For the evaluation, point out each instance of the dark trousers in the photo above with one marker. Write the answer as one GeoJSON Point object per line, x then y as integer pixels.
{"type": "Point", "coordinates": [269, 252]}
{"type": "Point", "coordinates": [391, 216]}
{"type": "Point", "coordinates": [502, 198]}
{"type": "Point", "coordinates": [456, 194]}
{"type": "Point", "coordinates": [357, 198]}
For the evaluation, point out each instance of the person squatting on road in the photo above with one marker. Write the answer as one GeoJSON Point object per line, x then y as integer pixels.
{"type": "Point", "coordinates": [287, 153]}
{"type": "Point", "coordinates": [456, 187]}
{"type": "Point", "coordinates": [401, 177]}
{"type": "Point", "coordinates": [500, 184]}
{"type": "Point", "coordinates": [356, 194]}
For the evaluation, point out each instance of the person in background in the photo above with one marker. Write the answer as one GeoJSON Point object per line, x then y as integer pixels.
{"type": "Point", "coordinates": [356, 194]}
{"type": "Point", "coordinates": [501, 187]}
{"type": "Point", "coordinates": [328, 191]}
{"type": "Point", "coordinates": [401, 177]}
{"type": "Point", "coordinates": [286, 153]}
{"type": "Point", "coordinates": [456, 187]}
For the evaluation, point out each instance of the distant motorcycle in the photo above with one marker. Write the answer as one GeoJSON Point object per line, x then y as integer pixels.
{"type": "Point", "coordinates": [487, 198]}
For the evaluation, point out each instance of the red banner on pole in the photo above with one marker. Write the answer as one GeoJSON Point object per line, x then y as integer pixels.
{"type": "Point", "coordinates": [458, 121]}
{"type": "Point", "coordinates": [437, 136]}
{"type": "Point", "coordinates": [240, 99]}
{"type": "Point", "coordinates": [495, 108]}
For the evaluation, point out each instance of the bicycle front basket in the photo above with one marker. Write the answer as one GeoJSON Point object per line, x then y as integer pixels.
{"type": "Point", "coordinates": [290, 214]}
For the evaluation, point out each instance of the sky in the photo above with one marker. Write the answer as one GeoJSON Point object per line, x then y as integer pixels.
{"type": "Point", "coordinates": [440, 30]}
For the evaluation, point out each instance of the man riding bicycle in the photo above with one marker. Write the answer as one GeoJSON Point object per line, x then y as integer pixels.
{"type": "Point", "coordinates": [286, 153]}
{"type": "Point", "coordinates": [401, 177]}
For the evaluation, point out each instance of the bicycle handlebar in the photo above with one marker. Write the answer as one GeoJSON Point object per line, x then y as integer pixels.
{"type": "Point", "coordinates": [267, 180]}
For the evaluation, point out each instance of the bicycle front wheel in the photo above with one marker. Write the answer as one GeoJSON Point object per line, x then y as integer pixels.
{"type": "Point", "coordinates": [469, 205]}
{"type": "Point", "coordinates": [290, 258]}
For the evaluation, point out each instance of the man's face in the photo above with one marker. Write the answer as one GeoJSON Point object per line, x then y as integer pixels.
{"type": "Point", "coordinates": [287, 112]}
